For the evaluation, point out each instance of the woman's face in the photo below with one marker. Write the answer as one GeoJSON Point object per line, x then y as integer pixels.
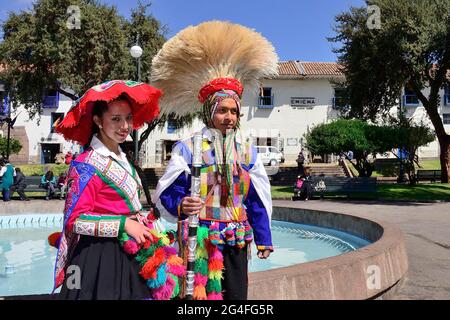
{"type": "Point", "coordinates": [226, 115]}
{"type": "Point", "coordinates": [117, 122]}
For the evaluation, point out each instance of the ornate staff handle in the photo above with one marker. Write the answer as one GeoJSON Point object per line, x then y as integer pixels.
{"type": "Point", "coordinates": [193, 219]}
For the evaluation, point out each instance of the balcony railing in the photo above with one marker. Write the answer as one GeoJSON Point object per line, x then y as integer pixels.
{"type": "Point", "coordinates": [265, 102]}
{"type": "Point", "coordinates": [4, 106]}
{"type": "Point", "coordinates": [50, 101]}
{"type": "Point", "coordinates": [410, 100]}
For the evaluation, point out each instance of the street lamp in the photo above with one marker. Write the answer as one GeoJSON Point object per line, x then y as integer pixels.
{"type": "Point", "coordinates": [136, 52]}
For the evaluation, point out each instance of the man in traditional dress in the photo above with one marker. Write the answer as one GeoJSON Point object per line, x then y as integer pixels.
{"type": "Point", "coordinates": [235, 204]}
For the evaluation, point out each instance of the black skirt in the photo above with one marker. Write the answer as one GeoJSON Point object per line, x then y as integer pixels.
{"type": "Point", "coordinates": [106, 273]}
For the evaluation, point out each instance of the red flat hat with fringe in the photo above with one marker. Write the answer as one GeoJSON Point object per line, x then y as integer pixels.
{"type": "Point", "coordinates": [77, 124]}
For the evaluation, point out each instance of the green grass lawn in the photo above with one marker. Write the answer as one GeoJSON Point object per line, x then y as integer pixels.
{"type": "Point", "coordinates": [430, 164]}
{"type": "Point", "coordinates": [420, 192]}
{"type": "Point", "coordinates": [423, 191]}
{"type": "Point", "coordinates": [425, 165]}
{"type": "Point", "coordinates": [280, 192]}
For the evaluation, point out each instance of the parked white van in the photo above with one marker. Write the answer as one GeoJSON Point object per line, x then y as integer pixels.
{"type": "Point", "coordinates": [270, 155]}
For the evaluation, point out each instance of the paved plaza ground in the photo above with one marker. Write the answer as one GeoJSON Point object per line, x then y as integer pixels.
{"type": "Point", "coordinates": [425, 226]}
{"type": "Point", "coordinates": [426, 229]}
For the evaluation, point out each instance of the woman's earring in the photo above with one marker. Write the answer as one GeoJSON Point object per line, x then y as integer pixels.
{"type": "Point", "coordinates": [101, 127]}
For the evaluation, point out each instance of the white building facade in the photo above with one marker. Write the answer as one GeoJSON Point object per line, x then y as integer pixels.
{"type": "Point", "coordinates": [302, 96]}
{"type": "Point", "coordinates": [39, 142]}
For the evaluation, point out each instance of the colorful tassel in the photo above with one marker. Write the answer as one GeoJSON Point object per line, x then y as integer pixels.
{"type": "Point", "coordinates": [176, 289]}
{"type": "Point", "coordinates": [200, 280]}
{"type": "Point", "coordinates": [240, 234]}
{"type": "Point", "coordinates": [215, 296]}
{"type": "Point", "coordinates": [161, 278]}
{"type": "Point", "coordinates": [215, 264]}
{"type": "Point", "coordinates": [229, 234]}
{"type": "Point", "coordinates": [201, 266]}
{"type": "Point", "coordinates": [150, 267]}
{"type": "Point", "coordinates": [200, 293]}
{"type": "Point", "coordinates": [175, 266]}
{"type": "Point", "coordinates": [248, 233]}
{"type": "Point", "coordinates": [202, 235]}
{"type": "Point", "coordinates": [214, 233]}
{"type": "Point", "coordinates": [169, 251]}
{"type": "Point", "coordinates": [214, 285]}
{"type": "Point", "coordinates": [131, 247]}
{"type": "Point", "coordinates": [164, 292]}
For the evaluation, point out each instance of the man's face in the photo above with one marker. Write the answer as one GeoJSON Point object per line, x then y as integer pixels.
{"type": "Point", "coordinates": [226, 115]}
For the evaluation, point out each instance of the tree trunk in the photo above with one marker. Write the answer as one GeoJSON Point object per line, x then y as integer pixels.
{"type": "Point", "coordinates": [141, 175]}
{"type": "Point", "coordinates": [67, 94]}
{"type": "Point", "coordinates": [444, 143]}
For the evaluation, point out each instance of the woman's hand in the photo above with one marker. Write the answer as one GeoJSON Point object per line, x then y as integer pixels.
{"type": "Point", "coordinates": [263, 254]}
{"type": "Point", "coordinates": [191, 206]}
{"type": "Point", "coordinates": [138, 231]}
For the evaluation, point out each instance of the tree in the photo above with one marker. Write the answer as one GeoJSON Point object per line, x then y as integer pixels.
{"type": "Point", "coordinates": [14, 146]}
{"type": "Point", "coordinates": [54, 47]}
{"type": "Point", "coordinates": [409, 138]}
{"type": "Point", "coordinates": [411, 46]}
{"type": "Point", "coordinates": [41, 51]}
{"type": "Point", "coordinates": [340, 136]}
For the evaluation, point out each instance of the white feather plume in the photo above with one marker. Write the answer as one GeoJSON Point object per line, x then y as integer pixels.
{"type": "Point", "coordinates": [210, 50]}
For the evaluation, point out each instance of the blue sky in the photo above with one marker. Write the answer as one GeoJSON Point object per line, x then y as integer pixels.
{"type": "Point", "coordinates": [297, 28]}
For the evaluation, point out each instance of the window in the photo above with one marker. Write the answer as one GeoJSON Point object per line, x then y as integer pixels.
{"type": "Point", "coordinates": [56, 116]}
{"type": "Point", "coordinates": [171, 126]}
{"type": "Point", "coordinates": [50, 99]}
{"type": "Point", "coordinates": [266, 141]}
{"type": "Point", "coordinates": [410, 97]}
{"type": "Point", "coordinates": [261, 149]}
{"type": "Point", "coordinates": [266, 98]}
{"type": "Point", "coordinates": [273, 150]}
{"type": "Point", "coordinates": [446, 118]}
{"type": "Point", "coordinates": [339, 99]}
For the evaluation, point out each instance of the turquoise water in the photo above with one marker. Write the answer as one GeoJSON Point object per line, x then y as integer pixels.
{"type": "Point", "coordinates": [27, 261]}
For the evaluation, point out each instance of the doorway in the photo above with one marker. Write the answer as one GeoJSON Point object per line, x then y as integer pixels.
{"type": "Point", "coordinates": [49, 152]}
{"type": "Point", "coordinates": [168, 145]}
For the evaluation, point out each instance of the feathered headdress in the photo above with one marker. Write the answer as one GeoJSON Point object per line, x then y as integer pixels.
{"type": "Point", "coordinates": [209, 57]}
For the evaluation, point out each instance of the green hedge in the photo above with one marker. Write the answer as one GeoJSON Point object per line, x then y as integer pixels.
{"type": "Point", "coordinates": [40, 169]}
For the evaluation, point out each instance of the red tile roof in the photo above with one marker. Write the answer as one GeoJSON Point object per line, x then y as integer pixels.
{"type": "Point", "coordinates": [321, 68]}
{"type": "Point", "coordinates": [288, 68]}
{"type": "Point", "coordinates": [301, 69]}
